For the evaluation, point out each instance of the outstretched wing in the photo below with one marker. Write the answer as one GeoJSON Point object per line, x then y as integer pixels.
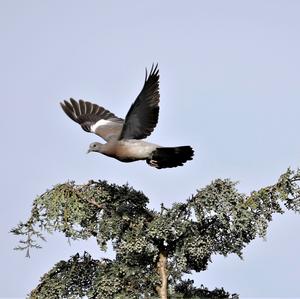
{"type": "Point", "coordinates": [142, 116]}
{"type": "Point", "coordinates": [93, 118]}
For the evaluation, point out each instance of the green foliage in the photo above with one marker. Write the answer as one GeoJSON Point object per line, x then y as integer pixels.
{"type": "Point", "coordinates": [80, 211]}
{"type": "Point", "coordinates": [83, 276]}
{"type": "Point", "coordinates": [185, 289]}
{"type": "Point", "coordinates": [77, 274]}
{"type": "Point", "coordinates": [216, 220]}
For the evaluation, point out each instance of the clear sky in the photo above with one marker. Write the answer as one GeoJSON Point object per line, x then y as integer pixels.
{"type": "Point", "coordinates": [229, 87]}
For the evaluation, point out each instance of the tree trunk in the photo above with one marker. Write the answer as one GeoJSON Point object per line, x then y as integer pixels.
{"type": "Point", "coordinates": [162, 290]}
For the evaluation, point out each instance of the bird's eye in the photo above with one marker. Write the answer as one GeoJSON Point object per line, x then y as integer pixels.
{"type": "Point", "coordinates": [94, 145]}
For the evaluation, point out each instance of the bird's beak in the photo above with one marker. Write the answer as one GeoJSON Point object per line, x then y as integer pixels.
{"type": "Point", "coordinates": [88, 151]}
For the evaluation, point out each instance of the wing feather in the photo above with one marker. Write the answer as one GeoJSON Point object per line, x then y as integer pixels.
{"type": "Point", "coordinates": [93, 118]}
{"type": "Point", "coordinates": [82, 107]}
{"type": "Point", "coordinates": [142, 116]}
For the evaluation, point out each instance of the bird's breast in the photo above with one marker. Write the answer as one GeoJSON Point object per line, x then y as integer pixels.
{"type": "Point", "coordinates": [132, 150]}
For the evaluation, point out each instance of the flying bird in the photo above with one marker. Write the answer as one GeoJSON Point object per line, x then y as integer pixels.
{"type": "Point", "coordinates": [124, 136]}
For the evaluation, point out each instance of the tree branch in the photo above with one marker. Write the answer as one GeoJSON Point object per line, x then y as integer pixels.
{"type": "Point", "coordinates": [93, 202]}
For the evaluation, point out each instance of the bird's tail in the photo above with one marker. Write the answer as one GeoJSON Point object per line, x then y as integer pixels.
{"type": "Point", "coordinates": [165, 157]}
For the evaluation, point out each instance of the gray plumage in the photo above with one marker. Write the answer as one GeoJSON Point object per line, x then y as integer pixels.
{"type": "Point", "coordinates": [123, 137]}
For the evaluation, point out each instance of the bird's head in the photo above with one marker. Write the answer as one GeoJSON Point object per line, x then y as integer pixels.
{"type": "Point", "coordinates": [95, 147]}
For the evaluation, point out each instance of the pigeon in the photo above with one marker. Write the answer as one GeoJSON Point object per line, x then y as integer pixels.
{"type": "Point", "coordinates": [124, 136]}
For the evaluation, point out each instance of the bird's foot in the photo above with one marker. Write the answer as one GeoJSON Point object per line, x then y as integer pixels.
{"type": "Point", "coordinates": [153, 163]}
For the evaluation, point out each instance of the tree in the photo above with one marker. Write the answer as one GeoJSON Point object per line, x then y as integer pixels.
{"type": "Point", "coordinates": [153, 248]}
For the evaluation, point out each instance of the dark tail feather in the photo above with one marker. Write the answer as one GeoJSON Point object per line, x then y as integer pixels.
{"type": "Point", "coordinates": [165, 157]}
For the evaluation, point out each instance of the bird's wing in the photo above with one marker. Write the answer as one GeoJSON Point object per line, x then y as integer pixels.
{"type": "Point", "coordinates": [93, 118]}
{"type": "Point", "coordinates": [142, 116]}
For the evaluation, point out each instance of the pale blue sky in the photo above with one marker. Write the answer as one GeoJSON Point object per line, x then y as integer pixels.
{"type": "Point", "coordinates": [229, 87]}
